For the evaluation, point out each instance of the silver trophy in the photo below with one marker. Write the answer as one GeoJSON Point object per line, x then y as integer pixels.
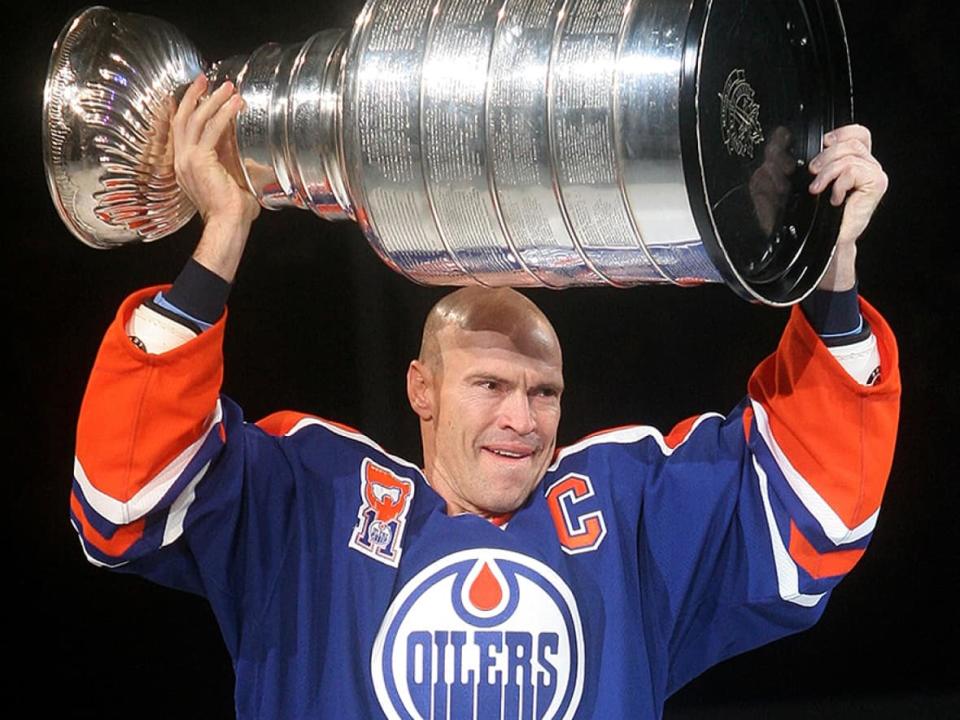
{"type": "Point", "coordinates": [501, 142]}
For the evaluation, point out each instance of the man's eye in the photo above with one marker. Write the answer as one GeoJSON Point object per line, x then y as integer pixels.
{"type": "Point", "coordinates": [489, 384]}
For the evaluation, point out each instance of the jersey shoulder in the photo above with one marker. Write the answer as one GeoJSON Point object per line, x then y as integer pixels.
{"type": "Point", "coordinates": [336, 453]}
{"type": "Point", "coordinates": [643, 444]}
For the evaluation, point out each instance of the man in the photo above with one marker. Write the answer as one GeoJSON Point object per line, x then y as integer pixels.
{"type": "Point", "coordinates": [505, 579]}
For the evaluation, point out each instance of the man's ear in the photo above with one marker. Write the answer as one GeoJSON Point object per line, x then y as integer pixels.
{"type": "Point", "coordinates": [420, 390]}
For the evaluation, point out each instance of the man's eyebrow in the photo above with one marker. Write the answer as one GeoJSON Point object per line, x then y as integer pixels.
{"type": "Point", "coordinates": [556, 387]}
{"type": "Point", "coordinates": [482, 376]}
{"type": "Point", "coordinates": [486, 375]}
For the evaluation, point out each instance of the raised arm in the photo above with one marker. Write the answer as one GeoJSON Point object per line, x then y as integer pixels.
{"type": "Point", "coordinates": [745, 523]}
{"type": "Point", "coordinates": [808, 454]}
{"type": "Point", "coordinates": [157, 446]}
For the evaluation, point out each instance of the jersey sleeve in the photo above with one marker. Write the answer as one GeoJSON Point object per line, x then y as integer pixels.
{"type": "Point", "coordinates": [171, 483]}
{"type": "Point", "coordinates": [750, 520]}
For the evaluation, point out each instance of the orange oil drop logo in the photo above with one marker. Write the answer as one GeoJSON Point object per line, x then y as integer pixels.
{"type": "Point", "coordinates": [485, 592]}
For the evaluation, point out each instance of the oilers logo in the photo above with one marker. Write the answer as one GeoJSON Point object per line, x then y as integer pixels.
{"type": "Point", "coordinates": [481, 634]}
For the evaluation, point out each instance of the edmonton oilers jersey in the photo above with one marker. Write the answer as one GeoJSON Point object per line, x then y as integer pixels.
{"type": "Point", "coordinates": [342, 587]}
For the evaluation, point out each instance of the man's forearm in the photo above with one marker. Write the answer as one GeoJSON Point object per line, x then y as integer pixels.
{"type": "Point", "coordinates": [198, 297]}
{"type": "Point", "coordinates": [841, 275]}
{"type": "Point", "coordinates": [221, 246]}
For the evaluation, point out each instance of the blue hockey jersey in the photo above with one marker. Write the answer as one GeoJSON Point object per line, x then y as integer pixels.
{"type": "Point", "coordinates": [343, 589]}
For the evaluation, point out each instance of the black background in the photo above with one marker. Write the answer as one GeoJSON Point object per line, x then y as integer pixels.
{"type": "Point", "coordinates": [319, 324]}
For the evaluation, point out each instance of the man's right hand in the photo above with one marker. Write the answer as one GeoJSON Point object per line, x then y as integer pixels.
{"type": "Point", "coordinates": [206, 164]}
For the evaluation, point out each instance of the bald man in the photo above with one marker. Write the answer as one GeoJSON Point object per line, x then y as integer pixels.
{"type": "Point", "coordinates": [487, 391]}
{"type": "Point", "coordinates": [504, 579]}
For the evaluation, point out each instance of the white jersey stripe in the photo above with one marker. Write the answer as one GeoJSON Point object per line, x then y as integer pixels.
{"type": "Point", "coordinates": [178, 511]}
{"type": "Point", "coordinates": [788, 581]}
{"type": "Point", "coordinates": [832, 525]}
{"type": "Point", "coordinates": [359, 437]}
{"type": "Point", "coordinates": [623, 436]}
{"type": "Point", "coordinates": [122, 513]}
{"type": "Point", "coordinates": [627, 436]}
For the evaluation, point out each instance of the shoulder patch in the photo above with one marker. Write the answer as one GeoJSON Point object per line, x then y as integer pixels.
{"type": "Point", "coordinates": [385, 499]}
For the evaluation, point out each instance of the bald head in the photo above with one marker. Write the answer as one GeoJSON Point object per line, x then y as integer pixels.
{"type": "Point", "coordinates": [487, 389]}
{"type": "Point", "coordinates": [477, 310]}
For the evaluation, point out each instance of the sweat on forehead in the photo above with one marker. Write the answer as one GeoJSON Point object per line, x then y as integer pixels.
{"type": "Point", "coordinates": [501, 310]}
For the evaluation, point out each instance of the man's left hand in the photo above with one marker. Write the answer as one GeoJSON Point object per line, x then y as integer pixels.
{"type": "Point", "coordinates": [847, 162]}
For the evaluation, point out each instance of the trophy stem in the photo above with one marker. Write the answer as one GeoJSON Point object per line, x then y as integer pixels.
{"type": "Point", "coordinates": [287, 135]}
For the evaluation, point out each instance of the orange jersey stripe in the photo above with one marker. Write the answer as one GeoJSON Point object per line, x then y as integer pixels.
{"type": "Point", "coordinates": [122, 540]}
{"type": "Point", "coordinates": [501, 519]}
{"type": "Point", "coordinates": [747, 422]}
{"type": "Point", "coordinates": [680, 432]}
{"type": "Point", "coordinates": [820, 565]}
{"type": "Point", "coordinates": [282, 422]}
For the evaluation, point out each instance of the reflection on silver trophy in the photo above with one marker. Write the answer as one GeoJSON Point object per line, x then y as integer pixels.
{"type": "Point", "coordinates": [503, 142]}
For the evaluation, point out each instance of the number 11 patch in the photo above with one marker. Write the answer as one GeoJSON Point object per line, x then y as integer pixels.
{"type": "Point", "coordinates": [385, 500]}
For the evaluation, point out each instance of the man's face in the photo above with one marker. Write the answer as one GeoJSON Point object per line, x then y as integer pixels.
{"type": "Point", "coordinates": [497, 408]}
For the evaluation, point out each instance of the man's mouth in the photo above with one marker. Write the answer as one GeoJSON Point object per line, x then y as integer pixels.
{"type": "Point", "coordinates": [510, 453]}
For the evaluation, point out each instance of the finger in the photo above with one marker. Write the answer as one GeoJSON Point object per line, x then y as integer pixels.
{"type": "Point", "coordinates": [850, 174]}
{"type": "Point", "coordinates": [185, 109]}
{"type": "Point", "coordinates": [188, 104]}
{"type": "Point", "coordinates": [227, 153]}
{"type": "Point", "coordinates": [216, 126]}
{"type": "Point", "coordinates": [844, 183]}
{"type": "Point", "coordinates": [849, 132]}
{"type": "Point", "coordinates": [859, 177]}
{"type": "Point", "coordinates": [835, 152]}
{"type": "Point", "coordinates": [833, 170]}
{"type": "Point", "coordinates": [207, 109]}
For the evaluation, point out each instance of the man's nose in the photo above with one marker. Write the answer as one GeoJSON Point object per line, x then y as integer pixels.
{"type": "Point", "coordinates": [517, 414]}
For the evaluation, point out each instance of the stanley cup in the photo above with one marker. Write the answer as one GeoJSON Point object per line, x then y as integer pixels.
{"type": "Point", "coordinates": [502, 142]}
